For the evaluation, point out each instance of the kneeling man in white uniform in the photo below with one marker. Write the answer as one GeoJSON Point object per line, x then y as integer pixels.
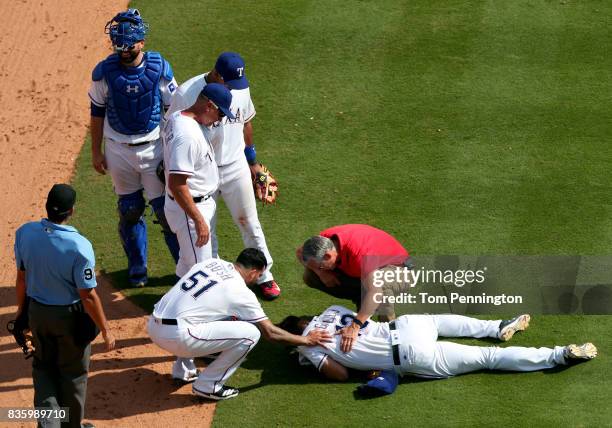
{"type": "Point", "coordinates": [410, 346]}
{"type": "Point", "coordinates": [211, 310]}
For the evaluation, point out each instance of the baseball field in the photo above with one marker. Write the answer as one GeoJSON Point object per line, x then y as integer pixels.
{"type": "Point", "coordinates": [460, 127]}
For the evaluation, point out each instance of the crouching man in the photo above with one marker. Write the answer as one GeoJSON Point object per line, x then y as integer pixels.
{"type": "Point", "coordinates": [211, 310]}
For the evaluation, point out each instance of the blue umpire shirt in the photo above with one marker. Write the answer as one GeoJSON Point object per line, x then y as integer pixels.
{"type": "Point", "coordinates": [57, 260]}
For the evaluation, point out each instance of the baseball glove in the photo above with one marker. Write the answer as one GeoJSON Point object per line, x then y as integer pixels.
{"type": "Point", "coordinates": [160, 172]}
{"type": "Point", "coordinates": [265, 186]}
{"type": "Point", "coordinates": [18, 328]}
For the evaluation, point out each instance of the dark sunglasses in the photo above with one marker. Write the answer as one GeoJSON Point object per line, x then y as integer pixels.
{"type": "Point", "coordinates": [221, 114]}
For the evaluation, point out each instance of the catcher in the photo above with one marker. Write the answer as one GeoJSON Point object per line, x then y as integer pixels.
{"type": "Point", "coordinates": [239, 171]}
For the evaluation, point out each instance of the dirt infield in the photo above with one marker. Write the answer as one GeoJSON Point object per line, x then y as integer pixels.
{"type": "Point", "coordinates": [47, 52]}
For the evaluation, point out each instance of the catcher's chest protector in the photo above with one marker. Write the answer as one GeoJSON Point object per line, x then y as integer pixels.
{"type": "Point", "coordinates": [134, 102]}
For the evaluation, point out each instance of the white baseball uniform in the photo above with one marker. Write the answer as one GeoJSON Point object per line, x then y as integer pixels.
{"type": "Point", "coordinates": [417, 348]}
{"type": "Point", "coordinates": [215, 311]}
{"type": "Point", "coordinates": [187, 152]}
{"type": "Point", "coordinates": [235, 185]}
{"type": "Point", "coordinates": [132, 165]}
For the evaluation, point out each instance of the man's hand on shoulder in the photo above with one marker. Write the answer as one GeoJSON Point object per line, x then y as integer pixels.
{"type": "Point", "coordinates": [318, 337]}
{"type": "Point", "coordinates": [349, 336]}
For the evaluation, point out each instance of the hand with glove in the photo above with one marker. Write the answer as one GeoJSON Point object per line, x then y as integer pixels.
{"type": "Point", "coordinates": [264, 184]}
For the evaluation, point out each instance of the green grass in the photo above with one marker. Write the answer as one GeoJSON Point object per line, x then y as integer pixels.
{"type": "Point", "coordinates": [461, 127]}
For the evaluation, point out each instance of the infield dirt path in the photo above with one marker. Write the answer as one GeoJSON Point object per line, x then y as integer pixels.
{"type": "Point", "coordinates": [47, 52]}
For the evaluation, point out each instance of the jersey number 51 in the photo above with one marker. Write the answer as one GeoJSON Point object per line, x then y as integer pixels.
{"type": "Point", "coordinates": [198, 278]}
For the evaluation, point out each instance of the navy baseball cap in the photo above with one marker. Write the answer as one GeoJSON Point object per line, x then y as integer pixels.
{"type": "Point", "coordinates": [61, 199]}
{"type": "Point", "coordinates": [230, 66]}
{"type": "Point", "coordinates": [220, 96]}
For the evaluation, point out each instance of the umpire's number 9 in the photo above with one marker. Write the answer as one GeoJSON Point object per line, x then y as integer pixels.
{"type": "Point", "coordinates": [88, 274]}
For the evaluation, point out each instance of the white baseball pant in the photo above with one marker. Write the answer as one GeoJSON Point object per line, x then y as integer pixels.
{"type": "Point", "coordinates": [184, 228]}
{"type": "Point", "coordinates": [423, 356]}
{"type": "Point", "coordinates": [236, 189]}
{"type": "Point", "coordinates": [233, 339]}
{"type": "Point", "coordinates": [133, 167]}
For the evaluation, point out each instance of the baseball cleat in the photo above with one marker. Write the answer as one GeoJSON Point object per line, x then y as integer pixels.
{"type": "Point", "coordinates": [222, 394]}
{"type": "Point", "coordinates": [586, 351]}
{"type": "Point", "coordinates": [270, 290]}
{"type": "Point", "coordinates": [191, 377]}
{"type": "Point", "coordinates": [139, 284]}
{"type": "Point", "coordinates": [507, 328]}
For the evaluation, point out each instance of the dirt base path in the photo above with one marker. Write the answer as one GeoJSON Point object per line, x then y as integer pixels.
{"type": "Point", "coordinates": [47, 52]}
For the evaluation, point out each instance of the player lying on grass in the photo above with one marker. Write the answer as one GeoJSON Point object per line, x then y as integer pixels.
{"type": "Point", "coordinates": [410, 346]}
{"type": "Point", "coordinates": [211, 310]}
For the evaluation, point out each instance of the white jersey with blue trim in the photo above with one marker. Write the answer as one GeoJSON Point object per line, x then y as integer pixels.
{"type": "Point", "coordinates": [372, 349]}
{"type": "Point", "coordinates": [227, 135]}
{"type": "Point", "coordinates": [98, 94]}
{"type": "Point", "coordinates": [212, 290]}
{"type": "Point", "coordinates": [187, 152]}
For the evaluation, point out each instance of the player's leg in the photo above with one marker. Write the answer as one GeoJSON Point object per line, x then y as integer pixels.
{"type": "Point", "coordinates": [214, 242]}
{"type": "Point", "coordinates": [417, 329]}
{"type": "Point", "coordinates": [236, 189]}
{"type": "Point", "coordinates": [454, 359]}
{"type": "Point", "coordinates": [120, 159]}
{"type": "Point", "coordinates": [169, 337]}
{"type": "Point", "coordinates": [184, 369]}
{"type": "Point", "coordinates": [148, 158]}
{"type": "Point", "coordinates": [233, 339]}
{"type": "Point", "coordinates": [461, 326]}
{"type": "Point", "coordinates": [133, 233]}
{"type": "Point", "coordinates": [449, 325]}
{"type": "Point", "coordinates": [184, 228]}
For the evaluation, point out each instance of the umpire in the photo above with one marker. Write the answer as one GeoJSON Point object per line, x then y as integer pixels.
{"type": "Point", "coordinates": [56, 285]}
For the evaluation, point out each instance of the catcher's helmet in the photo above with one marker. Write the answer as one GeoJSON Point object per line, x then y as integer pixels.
{"type": "Point", "coordinates": [126, 29]}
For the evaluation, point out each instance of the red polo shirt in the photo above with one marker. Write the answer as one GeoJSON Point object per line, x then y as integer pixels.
{"type": "Point", "coordinates": [364, 248]}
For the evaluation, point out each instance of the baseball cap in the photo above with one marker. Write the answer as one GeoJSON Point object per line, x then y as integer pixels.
{"type": "Point", "coordinates": [61, 199]}
{"type": "Point", "coordinates": [219, 95]}
{"type": "Point", "coordinates": [384, 384]}
{"type": "Point", "coordinates": [230, 66]}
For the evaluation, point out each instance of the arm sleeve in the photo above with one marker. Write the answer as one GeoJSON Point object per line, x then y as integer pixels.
{"type": "Point", "coordinates": [249, 112]}
{"type": "Point", "coordinates": [249, 309]}
{"type": "Point", "coordinates": [18, 259]}
{"type": "Point", "coordinates": [98, 93]}
{"type": "Point", "coordinates": [83, 273]}
{"type": "Point", "coordinates": [167, 89]}
{"type": "Point", "coordinates": [181, 156]}
{"type": "Point", "coordinates": [311, 355]}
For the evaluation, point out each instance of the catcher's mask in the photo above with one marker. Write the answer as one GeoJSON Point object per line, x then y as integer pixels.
{"type": "Point", "coordinates": [126, 29]}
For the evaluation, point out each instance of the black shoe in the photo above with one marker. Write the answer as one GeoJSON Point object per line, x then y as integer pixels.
{"type": "Point", "coordinates": [222, 394]}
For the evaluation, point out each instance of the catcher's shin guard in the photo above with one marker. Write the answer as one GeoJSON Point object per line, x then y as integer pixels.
{"type": "Point", "coordinates": [133, 233]}
{"type": "Point", "coordinates": [169, 236]}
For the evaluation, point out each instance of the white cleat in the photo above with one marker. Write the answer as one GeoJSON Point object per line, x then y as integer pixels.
{"type": "Point", "coordinates": [586, 351]}
{"type": "Point", "coordinates": [507, 328]}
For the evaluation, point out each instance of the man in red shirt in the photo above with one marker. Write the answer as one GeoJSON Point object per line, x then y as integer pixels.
{"type": "Point", "coordinates": [344, 260]}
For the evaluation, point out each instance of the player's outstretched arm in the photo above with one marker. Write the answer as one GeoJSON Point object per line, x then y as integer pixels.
{"type": "Point", "coordinates": [333, 370]}
{"type": "Point", "coordinates": [368, 307]}
{"type": "Point", "coordinates": [275, 334]}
